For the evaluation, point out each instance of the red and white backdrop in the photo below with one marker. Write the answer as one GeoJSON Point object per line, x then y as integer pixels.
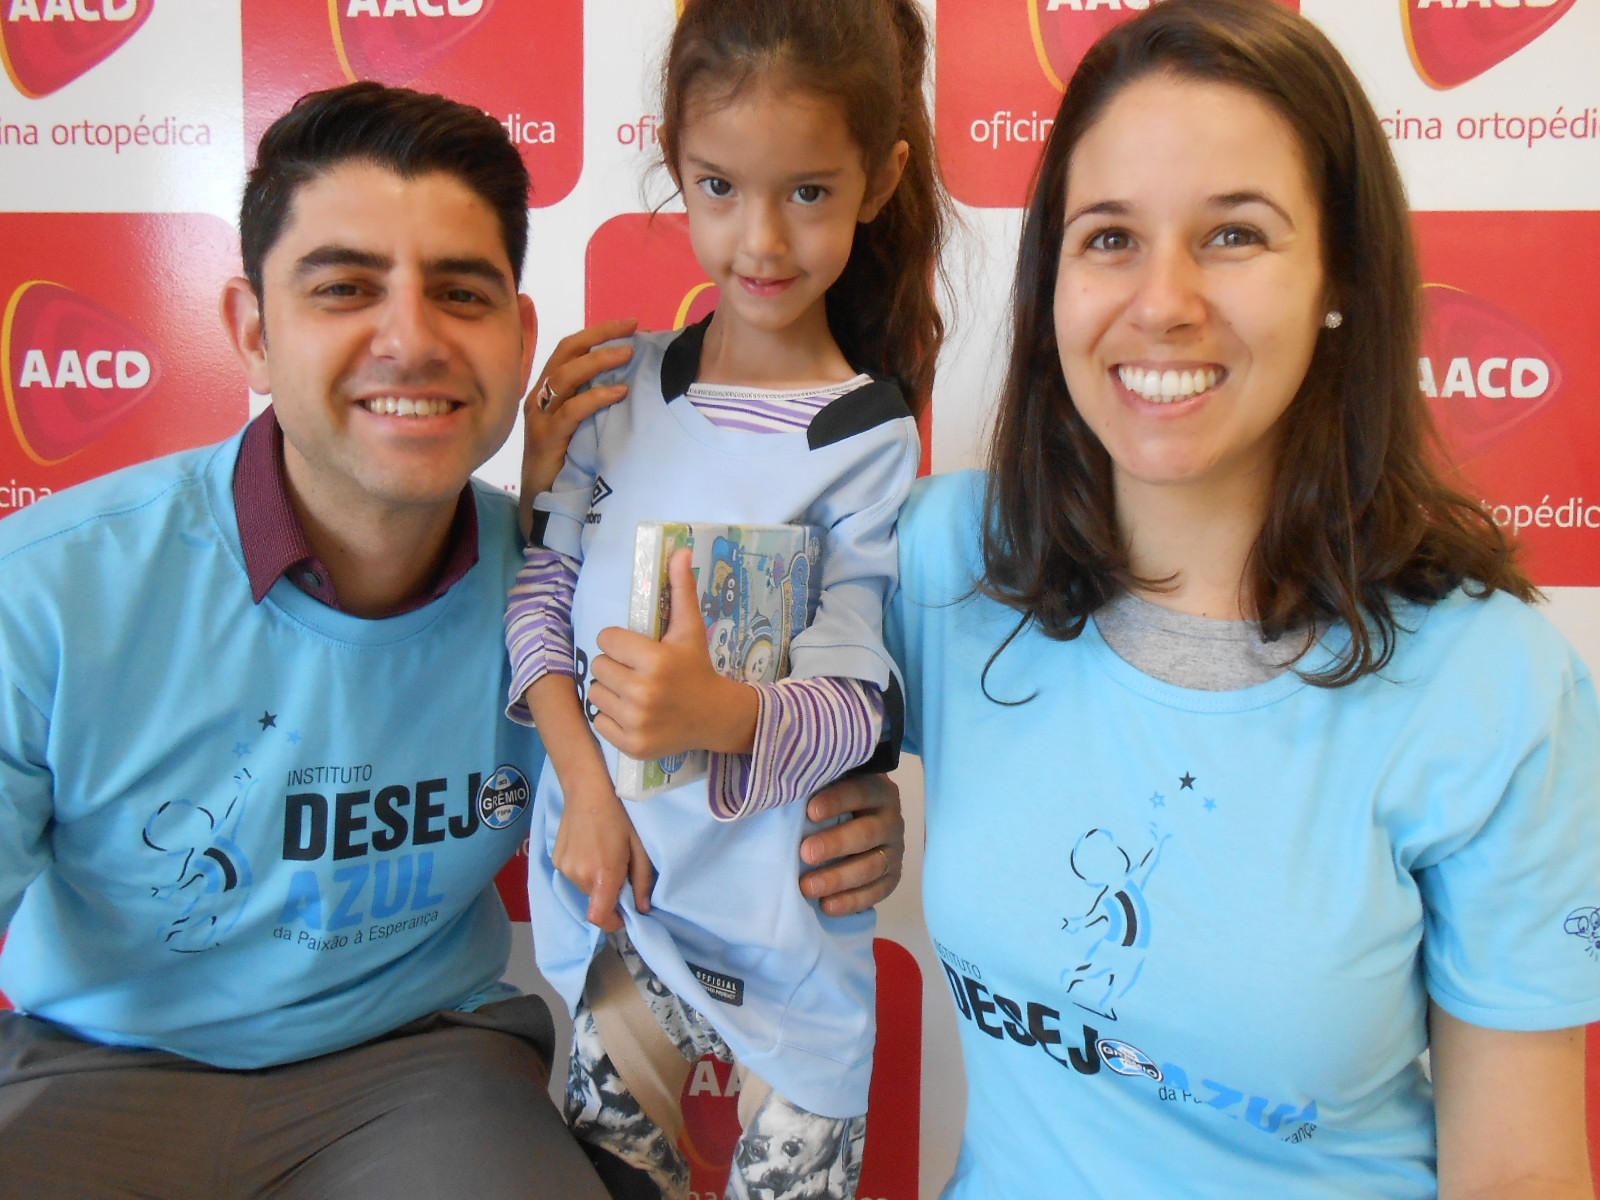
{"type": "Point", "coordinates": [123, 133]}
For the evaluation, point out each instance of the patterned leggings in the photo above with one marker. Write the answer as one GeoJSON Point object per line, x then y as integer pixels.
{"type": "Point", "coordinates": [627, 1104]}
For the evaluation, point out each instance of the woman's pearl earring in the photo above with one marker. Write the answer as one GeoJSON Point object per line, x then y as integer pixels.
{"type": "Point", "coordinates": [1333, 319]}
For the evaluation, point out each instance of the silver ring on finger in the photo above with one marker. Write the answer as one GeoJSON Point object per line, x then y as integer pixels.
{"type": "Point", "coordinates": [546, 395]}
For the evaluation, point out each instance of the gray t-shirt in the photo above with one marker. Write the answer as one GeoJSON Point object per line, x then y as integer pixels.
{"type": "Point", "coordinates": [1189, 651]}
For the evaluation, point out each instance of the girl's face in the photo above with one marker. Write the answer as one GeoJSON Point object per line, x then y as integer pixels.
{"type": "Point", "coordinates": [1190, 292]}
{"type": "Point", "coordinates": [775, 185]}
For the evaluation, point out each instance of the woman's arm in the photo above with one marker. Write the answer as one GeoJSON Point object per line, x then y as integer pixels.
{"type": "Point", "coordinates": [557, 403]}
{"type": "Point", "coordinates": [1510, 1112]}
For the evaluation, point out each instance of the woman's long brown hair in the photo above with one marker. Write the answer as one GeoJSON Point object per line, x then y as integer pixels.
{"type": "Point", "coordinates": [1359, 513]}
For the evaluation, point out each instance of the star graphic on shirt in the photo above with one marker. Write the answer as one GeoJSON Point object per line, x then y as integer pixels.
{"type": "Point", "coordinates": [1158, 801]}
{"type": "Point", "coordinates": [1210, 805]}
{"type": "Point", "coordinates": [241, 749]}
{"type": "Point", "coordinates": [294, 738]}
{"type": "Point", "coordinates": [1186, 780]}
{"type": "Point", "coordinates": [267, 720]}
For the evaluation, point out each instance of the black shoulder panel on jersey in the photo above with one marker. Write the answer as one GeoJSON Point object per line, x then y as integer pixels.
{"type": "Point", "coordinates": [856, 412]}
{"type": "Point", "coordinates": [541, 520]}
{"type": "Point", "coordinates": [680, 362]}
{"type": "Point", "coordinates": [886, 757]}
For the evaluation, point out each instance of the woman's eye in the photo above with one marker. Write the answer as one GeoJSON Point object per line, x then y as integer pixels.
{"type": "Point", "coordinates": [810, 193]}
{"type": "Point", "coordinates": [1234, 236]}
{"type": "Point", "coordinates": [717, 189]}
{"type": "Point", "coordinates": [1110, 239]}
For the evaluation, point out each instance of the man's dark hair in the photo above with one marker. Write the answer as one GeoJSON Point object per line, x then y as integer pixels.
{"type": "Point", "coordinates": [410, 133]}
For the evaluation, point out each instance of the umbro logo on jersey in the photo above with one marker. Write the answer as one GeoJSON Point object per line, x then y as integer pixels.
{"type": "Point", "coordinates": [602, 489]}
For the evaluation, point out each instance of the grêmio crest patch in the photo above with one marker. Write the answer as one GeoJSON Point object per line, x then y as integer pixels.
{"type": "Point", "coordinates": [503, 797]}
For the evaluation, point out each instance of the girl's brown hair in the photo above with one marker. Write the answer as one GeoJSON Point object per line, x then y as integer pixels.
{"type": "Point", "coordinates": [869, 57]}
{"type": "Point", "coordinates": [1358, 514]}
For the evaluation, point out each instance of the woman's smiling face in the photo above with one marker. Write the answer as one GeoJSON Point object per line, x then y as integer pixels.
{"type": "Point", "coordinates": [1190, 291]}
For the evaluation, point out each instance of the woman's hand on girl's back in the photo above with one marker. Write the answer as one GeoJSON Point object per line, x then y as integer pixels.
{"type": "Point", "coordinates": [558, 402]}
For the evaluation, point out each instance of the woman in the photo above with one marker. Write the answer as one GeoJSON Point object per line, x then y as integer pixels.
{"type": "Point", "coordinates": [1251, 775]}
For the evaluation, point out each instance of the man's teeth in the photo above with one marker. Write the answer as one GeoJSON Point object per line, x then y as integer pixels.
{"type": "Point", "coordinates": [405, 406]}
{"type": "Point", "coordinates": [1161, 386]}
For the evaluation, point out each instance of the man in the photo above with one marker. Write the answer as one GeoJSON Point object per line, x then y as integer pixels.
{"type": "Point", "coordinates": [255, 780]}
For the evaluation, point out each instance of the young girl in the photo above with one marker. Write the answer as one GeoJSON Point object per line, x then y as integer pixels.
{"type": "Point", "coordinates": [799, 137]}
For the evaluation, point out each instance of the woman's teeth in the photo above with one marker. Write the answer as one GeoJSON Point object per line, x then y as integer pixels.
{"type": "Point", "coordinates": [1164, 386]}
{"type": "Point", "coordinates": [405, 406]}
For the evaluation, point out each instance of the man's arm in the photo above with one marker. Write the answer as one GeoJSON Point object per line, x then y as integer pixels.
{"type": "Point", "coordinates": [858, 862]}
{"type": "Point", "coordinates": [25, 798]}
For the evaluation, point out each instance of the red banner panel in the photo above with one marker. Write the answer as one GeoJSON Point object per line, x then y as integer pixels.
{"type": "Point", "coordinates": [46, 44]}
{"type": "Point", "coordinates": [1452, 42]}
{"type": "Point", "coordinates": [1510, 363]}
{"type": "Point", "coordinates": [1002, 69]}
{"type": "Point", "coordinates": [111, 346]}
{"type": "Point", "coordinates": [521, 63]}
{"type": "Point", "coordinates": [642, 265]}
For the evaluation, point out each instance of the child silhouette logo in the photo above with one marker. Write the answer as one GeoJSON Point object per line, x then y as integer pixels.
{"type": "Point", "coordinates": [1116, 925]}
{"type": "Point", "coordinates": [209, 877]}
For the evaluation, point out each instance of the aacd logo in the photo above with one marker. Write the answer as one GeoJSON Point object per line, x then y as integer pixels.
{"type": "Point", "coordinates": [1507, 361]}
{"type": "Point", "coordinates": [110, 351]}
{"type": "Point", "coordinates": [520, 62]}
{"type": "Point", "coordinates": [73, 369]}
{"type": "Point", "coordinates": [1485, 372]}
{"type": "Point", "coordinates": [398, 40]}
{"type": "Point", "coordinates": [643, 265]}
{"type": "Point", "coordinates": [1063, 30]}
{"type": "Point", "coordinates": [47, 44]}
{"type": "Point", "coordinates": [1452, 41]}
{"type": "Point", "coordinates": [1002, 69]}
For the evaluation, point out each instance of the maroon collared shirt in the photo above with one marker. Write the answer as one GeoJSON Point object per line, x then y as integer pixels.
{"type": "Point", "coordinates": [275, 545]}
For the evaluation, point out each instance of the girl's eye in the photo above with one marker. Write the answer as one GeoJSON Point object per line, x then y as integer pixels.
{"type": "Point", "coordinates": [1113, 240]}
{"type": "Point", "coordinates": [810, 193]}
{"type": "Point", "coordinates": [1232, 237]}
{"type": "Point", "coordinates": [717, 189]}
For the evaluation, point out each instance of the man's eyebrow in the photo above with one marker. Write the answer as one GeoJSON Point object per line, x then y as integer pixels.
{"type": "Point", "coordinates": [1239, 199]}
{"type": "Point", "coordinates": [341, 256]}
{"type": "Point", "coordinates": [474, 266]}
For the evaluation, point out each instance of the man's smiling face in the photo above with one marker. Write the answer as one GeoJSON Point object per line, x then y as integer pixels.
{"type": "Point", "coordinates": [393, 340]}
